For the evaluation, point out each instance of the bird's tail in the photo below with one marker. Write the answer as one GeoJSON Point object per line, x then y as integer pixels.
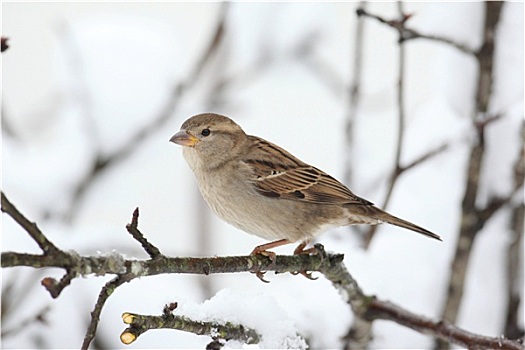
{"type": "Point", "coordinates": [381, 216]}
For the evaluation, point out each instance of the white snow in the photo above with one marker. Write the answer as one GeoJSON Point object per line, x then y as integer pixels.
{"type": "Point", "coordinates": [81, 78]}
{"type": "Point", "coordinates": [254, 310]}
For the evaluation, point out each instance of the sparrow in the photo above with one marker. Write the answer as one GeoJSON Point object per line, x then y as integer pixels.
{"type": "Point", "coordinates": [264, 190]}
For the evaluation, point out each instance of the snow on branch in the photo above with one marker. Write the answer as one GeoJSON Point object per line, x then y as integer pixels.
{"type": "Point", "coordinates": [365, 307]}
{"type": "Point", "coordinates": [139, 324]}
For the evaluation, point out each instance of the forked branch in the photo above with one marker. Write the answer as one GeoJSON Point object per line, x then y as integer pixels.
{"type": "Point", "coordinates": [331, 266]}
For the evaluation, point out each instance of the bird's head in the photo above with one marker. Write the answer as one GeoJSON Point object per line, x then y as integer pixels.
{"type": "Point", "coordinates": [209, 139]}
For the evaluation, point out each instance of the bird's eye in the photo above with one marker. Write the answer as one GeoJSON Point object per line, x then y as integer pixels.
{"type": "Point", "coordinates": [205, 132]}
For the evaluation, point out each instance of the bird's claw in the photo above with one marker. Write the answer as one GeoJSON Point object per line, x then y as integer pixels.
{"type": "Point", "coordinates": [270, 255]}
{"type": "Point", "coordinates": [260, 275]}
{"type": "Point", "coordinates": [315, 250]}
{"type": "Point", "coordinates": [305, 274]}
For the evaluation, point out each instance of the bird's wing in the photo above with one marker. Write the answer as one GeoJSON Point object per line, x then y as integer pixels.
{"type": "Point", "coordinates": [278, 174]}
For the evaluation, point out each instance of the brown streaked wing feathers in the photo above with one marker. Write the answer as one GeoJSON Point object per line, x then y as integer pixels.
{"type": "Point", "coordinates": [278, 174]}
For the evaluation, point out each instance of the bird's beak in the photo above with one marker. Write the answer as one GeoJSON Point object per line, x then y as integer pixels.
{"type": "Point", "coordinates": [184, 138]}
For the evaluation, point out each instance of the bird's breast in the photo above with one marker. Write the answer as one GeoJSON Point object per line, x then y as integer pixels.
{"type": "Point", "coordinates": [233, 197]}
{"type": "Point", "coordinates": [235, 201]}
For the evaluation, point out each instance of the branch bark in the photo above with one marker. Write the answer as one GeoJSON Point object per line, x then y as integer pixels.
{"type": "Point", "coordinates": [139, 324]}
{"type": "Point", "coordinates": [365, 307]}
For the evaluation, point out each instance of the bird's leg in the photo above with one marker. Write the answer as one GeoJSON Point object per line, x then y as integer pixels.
{"type": "Point", "coordinates": [263, 250]}
{"type": "Point", "coordinates": [300, 250]}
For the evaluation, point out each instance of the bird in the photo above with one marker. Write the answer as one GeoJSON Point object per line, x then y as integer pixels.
{"type": "Point", "coordinates": [266, 191]}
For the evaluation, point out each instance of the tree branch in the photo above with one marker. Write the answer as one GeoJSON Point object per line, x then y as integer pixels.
{"type": "Point", "coordinates": [406, 33]}
{"type": "Point", "coordinates": [30, 227]}
{"type": "Point", "coordinates": [398, 168]}
{"type": "Point", "coordinates": [365, 307]}
{"type": "Point", "coordinates": [514, 276]}
{"type": "Point", "coordinates": [400, 121]}
{"type": "Point", "coordinates": [140, 324]}
{"type": "Point", "coordinates": [385, 310]}
{"type": "Point", "coordinates": [423, 158]}
{"type": "Point", "coordinates": [515, 252]}
{"type": "Point", "coordinates": [134, 231]}
{"type": "Point", "coordinates": [360, 331]}
{"type": "Point", "coordinates": [473, 219]}
{"type": "Point", "coordinates": [354, 96]}
{"type": "Point", "coordinates": [103, 296]}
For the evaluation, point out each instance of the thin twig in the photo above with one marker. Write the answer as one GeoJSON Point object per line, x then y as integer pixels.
{"type": "Point", "coordinates": [105, 293]}
{"type": "Point", "coordinates": [400, 128]}
{"type": "Point", "coordinates": [30, 227]}
{"type": "Point", "coordinates": [406, 33]}
{"type": "Point", "coordinates": [55, 288]}
{"type": "Point", "coordinates": [134, 231]}
{"type": "Point", "coordinates": [432, 153]}
{"type": "Point", "coordinates": [354, 96]}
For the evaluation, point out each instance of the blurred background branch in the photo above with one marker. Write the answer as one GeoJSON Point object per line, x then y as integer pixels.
{"type": "Point", "coordinates": [103, 161]}
{"type": "Point", "coordinates": [514, 278]}
{"type": "Point", "coordinates": [406, 33]}
{"type": "Point", "coordinates": [471, 219]}
{"type": "Point", "coordinates": [354, 95]}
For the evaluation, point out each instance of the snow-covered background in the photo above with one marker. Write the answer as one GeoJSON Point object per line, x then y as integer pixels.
{"type": "Point", "coordinates": [80, 79]}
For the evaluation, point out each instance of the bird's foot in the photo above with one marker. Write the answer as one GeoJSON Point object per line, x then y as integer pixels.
{"type": "Point", "coordinates": [310, 251]}
{"type": "Point", "coordinates": [267, 253]}
{"type": "Point", "coordinates": [262, 250]}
